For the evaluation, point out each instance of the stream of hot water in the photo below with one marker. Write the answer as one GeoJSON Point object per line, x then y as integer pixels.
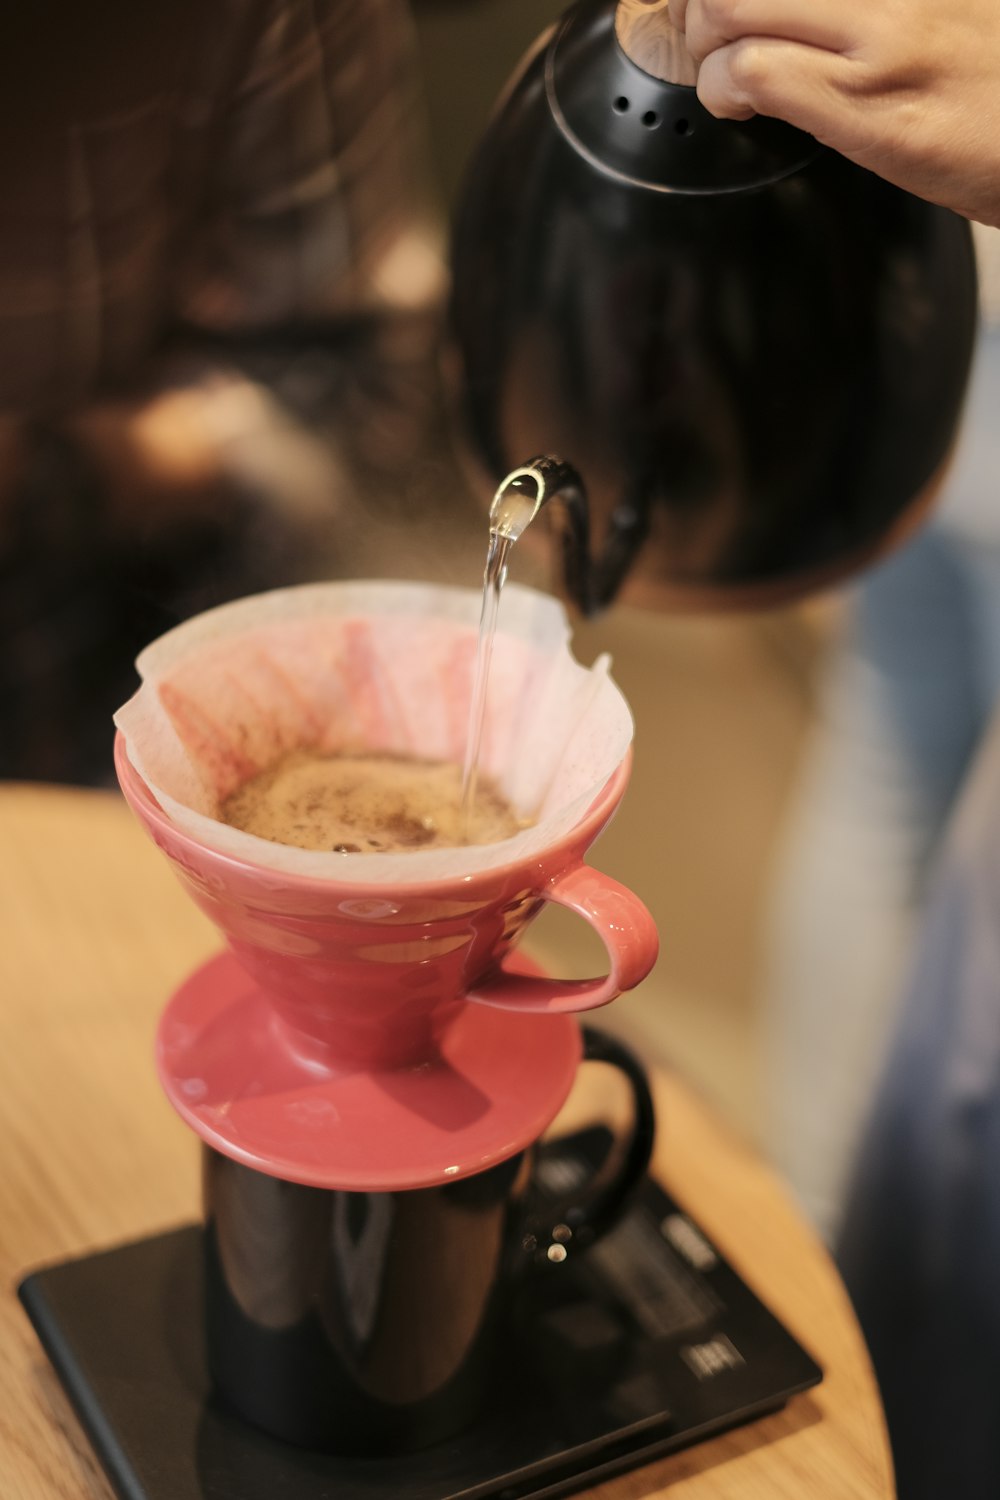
{"type": "Point", "coordinates": [514, 507]}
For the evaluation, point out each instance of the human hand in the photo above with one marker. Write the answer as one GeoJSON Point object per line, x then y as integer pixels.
{"type": "Point", "coordinates": [908, 88]}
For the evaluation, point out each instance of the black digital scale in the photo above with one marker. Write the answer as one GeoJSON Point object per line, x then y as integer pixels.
{"type": "Point", "coordinates": [643, 1344]}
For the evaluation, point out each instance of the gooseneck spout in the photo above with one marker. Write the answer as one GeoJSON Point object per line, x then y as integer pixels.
{"type": "Point", "coordinates": [591, 583]}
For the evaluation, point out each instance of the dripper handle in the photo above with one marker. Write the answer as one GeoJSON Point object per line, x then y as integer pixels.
{"type": "Point", "coordinates": [649, 38]}
{"type": "Point", "coordinates": [620, 920]}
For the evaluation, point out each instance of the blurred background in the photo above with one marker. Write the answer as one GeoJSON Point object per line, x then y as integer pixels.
{"type": "Point", "coordinates": [723, 708]}
{"type": "Point", "coordinates": [223, 280]}
{"type": "Point", "coordinates": [266, 408]}
{"type": "Point", "coordinates": [723, 705]}
{"type": "Point", "coordinates": [222, 290]}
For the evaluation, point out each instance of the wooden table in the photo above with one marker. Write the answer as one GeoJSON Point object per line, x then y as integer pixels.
{"type": "Point", "coordinates": [94, 933]}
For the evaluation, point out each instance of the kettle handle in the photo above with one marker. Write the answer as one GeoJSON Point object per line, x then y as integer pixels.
{"type": "Point", "coordinates": [649, 38]}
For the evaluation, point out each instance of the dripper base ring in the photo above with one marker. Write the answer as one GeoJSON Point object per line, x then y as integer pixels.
{"type": "Point", "coordinates": [229, 1071]}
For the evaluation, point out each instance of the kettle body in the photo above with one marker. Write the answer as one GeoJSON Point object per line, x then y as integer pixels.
{"type": "Point", "coordinates": [753, 352]}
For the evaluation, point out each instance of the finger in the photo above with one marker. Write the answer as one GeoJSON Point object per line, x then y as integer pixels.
{"type": "Point", "coordinates": [763, 75]}
{"type": "Point", "coordinates": [711, 24]}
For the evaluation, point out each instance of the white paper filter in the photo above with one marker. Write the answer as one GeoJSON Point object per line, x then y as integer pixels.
{"type": "Point", "coordinates": [382, 667]}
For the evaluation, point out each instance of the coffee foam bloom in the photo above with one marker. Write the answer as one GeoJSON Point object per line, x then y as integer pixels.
{"type": "Point", "coordinates": [373, 667]}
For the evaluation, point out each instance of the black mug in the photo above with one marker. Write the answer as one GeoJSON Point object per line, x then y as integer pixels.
{"type": "Point", "coordinates": [364, 1323]}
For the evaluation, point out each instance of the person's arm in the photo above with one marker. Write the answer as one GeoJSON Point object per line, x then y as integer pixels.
{"type": "Point", "coordinates": [908, 88]}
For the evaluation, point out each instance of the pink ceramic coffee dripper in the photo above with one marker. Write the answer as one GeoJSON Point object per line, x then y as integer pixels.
{"type": "Point", "coordinates": [370, 1026]}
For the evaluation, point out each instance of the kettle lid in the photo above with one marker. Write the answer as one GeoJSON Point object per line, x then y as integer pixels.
{"type": "Point", "coordinates": [651, 133]}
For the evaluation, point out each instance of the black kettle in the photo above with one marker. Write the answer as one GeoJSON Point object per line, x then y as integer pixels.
{"type": "Point", "coordinates": [752, 352]}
